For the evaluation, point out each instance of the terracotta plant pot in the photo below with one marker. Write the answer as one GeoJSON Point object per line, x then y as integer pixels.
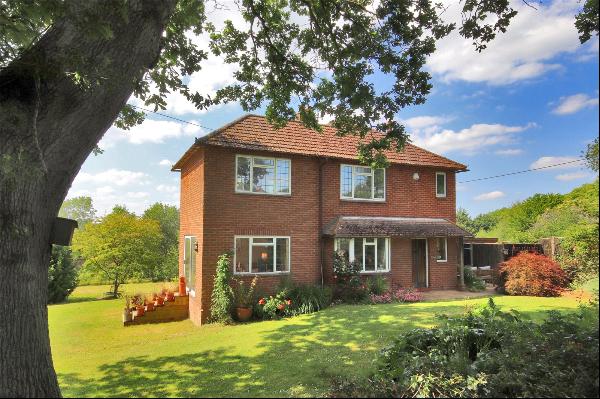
{"type": "Point", "coordinates": [150, 306]}
{"type": "Point", "coordinates": [139, 311]}
{"type": "Point", "coordinates": [160, 301]}
{"type": "Point", "coordinates": [170, 297]}
{"type": "Point", "coordinates": [243, 314]}
{"type": "Point", "coordinates": [182, 286]}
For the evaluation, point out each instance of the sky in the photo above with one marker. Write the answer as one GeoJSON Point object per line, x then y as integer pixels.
{"type": "Point", "coordinates": [529, 100]}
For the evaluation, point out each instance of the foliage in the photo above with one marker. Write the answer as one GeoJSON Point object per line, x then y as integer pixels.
{"type": "Point", "coordinates": [532, 274]}
{"type": "Point", "coordinates": [578, 254]}
{"type": "Point", "coordinates": [400, 295]}
{"type": "Point", "coordinates": [62, 275]}
{"type": "Point", "coordinates": [275, 306]}
{"type": "Point", "coordinates": [167, 217]}
{"type": "Point", "coordinates": [473, 282]}
{"type": "Point", "coordinates": [348, 285]}
{"type": "Point", "coordinates": [376, 285]}
{"type": "Point", "coordinates": [243, 293]}
{"type": "Point", "coordinates": [222, 295]}
{"type": "Point", "coordinates": [120, 246]}
{"type": "Point", "coordinates": [587, 23]}
{"type": "Point", "coordinates": [464, 220]}
{"type": "Point", "coordinates": [80, 209]}
{"type": "Point", "coordinates": [488, 353]}
{"type": "Point", "coordinates": [307, 298]}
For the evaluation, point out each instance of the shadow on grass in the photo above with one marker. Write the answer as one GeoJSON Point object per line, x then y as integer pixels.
{"type": "Point", "coordinates": [297, 357]}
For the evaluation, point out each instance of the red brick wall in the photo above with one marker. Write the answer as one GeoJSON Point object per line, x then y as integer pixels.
{"type": "Point", "coordinates": [218, 216]}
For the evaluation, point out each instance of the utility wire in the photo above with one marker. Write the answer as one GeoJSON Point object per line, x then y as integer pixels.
{"type": "Point", "coordinates": [172, 117]}
{"type": "Point", "coordinates": [460, 182]}
{"type": "Point", "coordinates": [522, 171]}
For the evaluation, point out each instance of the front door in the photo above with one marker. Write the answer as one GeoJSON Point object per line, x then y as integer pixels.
{"type": "Point", "coordinates": [419, 255]}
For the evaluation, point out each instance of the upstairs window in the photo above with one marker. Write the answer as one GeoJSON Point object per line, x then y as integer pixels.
{"type": "Point", "coordinates": [262, 175]}
{"type": "Point", "coordinates": [362, 183]}
{"type": "Point", "coordinates": [440, 184]}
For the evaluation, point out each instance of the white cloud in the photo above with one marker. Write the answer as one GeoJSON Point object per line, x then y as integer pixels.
{"type": "Point", "coordinates": [112, 176]}
{"type": "Point", "coordinates": [572, 176]}
{"type": "Point", "coordinates": [137, 194]}
{"type": "Point", "coordinates": [575, 103]}
{"type": "Point", "coordinates": [510, 152]}
{"type": "Point", "coordinates": [563, 162]}
{"type": "Point", "coordinates": [490, 196]}
{"type": "Point", "coordinates": [468, 140]}
{"type": "Point", "coordinates": [525, 51]}
{"type": "Point", "coordinates": [164, 188]}
{"type": "Point", "coordinates": [165, 162]}
{"type": "Point", "coordinates": [151, 131]}
{"type": "Point", "coordinates": [425, 121]}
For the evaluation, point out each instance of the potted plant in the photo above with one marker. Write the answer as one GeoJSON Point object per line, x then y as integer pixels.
{"type": "Point", "coordinates": [160, 300]}
{"type": "Point", "coordinates": [149, 303]}
{"type": "Point", "coordinates": [138, 300]}
{"type": "Point", "coordinates": [170, 293]}
{"type": "Point", "coordinates": [244, 299]}
{"type": "Point", "coordinates": [127, 311]}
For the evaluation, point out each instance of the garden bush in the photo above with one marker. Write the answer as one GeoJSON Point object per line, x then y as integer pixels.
{"type": "Point", "coordinates": [472, 282]}
{"type": "Point", "coordinates": [488, 353]}
{"type": "Point", "coordinates": [348, 287]}
{"type": "Point", "coordinates": [376, 285]}
{"type": "Point", "coordinates": [274, 307]}
{"type": "Point", "coordinates": [400, 295]}
{"type": "Point", "coordinates": [532, 274]}
{"type": "Point", "coordinates": [62, 275]}
{"type": "Point", "coordinates": [578, 254]}
{"type": "Point", "coordinates": [222, 294]}
{"type": "Point", "coordinates": [293, 299]}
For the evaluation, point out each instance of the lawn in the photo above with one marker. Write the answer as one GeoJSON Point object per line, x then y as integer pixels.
{"type": "Point", "coordinates": [95, 355]}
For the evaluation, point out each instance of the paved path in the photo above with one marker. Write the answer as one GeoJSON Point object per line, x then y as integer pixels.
{"type": "Point", "coordinates": [440, 295]}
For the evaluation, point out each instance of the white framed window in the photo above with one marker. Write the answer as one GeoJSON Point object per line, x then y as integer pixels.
{"type": "Point", "coordinates": [263, 175]}
{"type": "Point", "coordinates": [189, 263]}
{"type": "Point", "coordinates": [440, 184]}
{"type": "Point", "coordinates": [441, 249]}
{"type": "Point", "coordinates": [372, 253]}
{"type": "Point", "coordinates": [362, 183]}
{"type": "Point", "coordinates": [468, 254]}
{"type": "Point", "coordinates": [257, 254]}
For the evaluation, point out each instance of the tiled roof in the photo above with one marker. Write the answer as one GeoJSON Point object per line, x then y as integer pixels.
{"type": "Point", "coordinates": [362, 226]}
{"type": "Point", "coordinates": [254, 132]}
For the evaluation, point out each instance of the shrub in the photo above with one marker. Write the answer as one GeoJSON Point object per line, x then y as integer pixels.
{"type": "Point", "coordinates": [532, 274]}
{"type": "Point", "coordinates": [386, 297]}
{"type": "Point", "coordinates": [407, 295]}
{"type": "Point", "coordinates": [348, 285]}
{"type": "Point", "coordinates": [244, 294]}
{"type": "Point", "coordinates": [275, 306]}
{"type": "Point", "coordinates": [62, 275]}
{"type": "Point", "coordinates": [578, 253]}
{"type": "Point", "coordinates": [473, 282]}
{"type": "Point", "coordinates": [376, 285]}
{"type": "Point", "coordinates": [308, 299]}
{"type": "Point", "coordinates": [222, 294]}
{"type": "Point", "coordinates": [488, 353]}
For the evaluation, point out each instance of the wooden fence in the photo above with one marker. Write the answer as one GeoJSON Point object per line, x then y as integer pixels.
{"type": "Point", "coordinates": [494, 254]}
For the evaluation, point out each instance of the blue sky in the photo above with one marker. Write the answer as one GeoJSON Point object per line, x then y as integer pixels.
{"type": "Point", "coordinates": [529, 100]}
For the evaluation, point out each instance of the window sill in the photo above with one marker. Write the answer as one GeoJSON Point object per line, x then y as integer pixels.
{"type": "Point", "coordinates": [261, 273]}
{"type": "Point", "coordinates": [441, 196]}
{"type": "Point", "coordinates": [441, 261]}
{"type": "Point", "coordinates": [375, 272]}
{"type": "Point", "coordinates": [264, 194]}
{"type": "Point", "coordinates": [375, 201]}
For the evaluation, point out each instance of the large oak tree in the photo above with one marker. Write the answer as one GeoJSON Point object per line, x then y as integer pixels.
{"type": "Point", "coordinates": [68, 67]}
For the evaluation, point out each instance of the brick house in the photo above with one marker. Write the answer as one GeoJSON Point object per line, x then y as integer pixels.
{"type": "Point", "coordinates": [282, 201]}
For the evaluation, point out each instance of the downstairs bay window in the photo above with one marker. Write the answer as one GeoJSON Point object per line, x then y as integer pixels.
{"type": "Point", "coordinates": [254, 255]}
{"type": "Point", "coordinates": [371, 254]}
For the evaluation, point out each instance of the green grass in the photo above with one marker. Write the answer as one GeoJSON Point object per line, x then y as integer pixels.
{"type": "Point", "coordinates": [590, 286]}
{"type": "Point", "coordinates": [95, 355]}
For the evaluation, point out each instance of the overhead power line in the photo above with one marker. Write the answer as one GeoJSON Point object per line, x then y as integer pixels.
{"type": "Point", "coordinates": [523, 171]}
{"type": "Point", "coordinates": [172, 117]}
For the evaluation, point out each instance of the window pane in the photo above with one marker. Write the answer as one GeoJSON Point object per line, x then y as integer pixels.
{"type": "Point", "coordinates": [362, 186]}
{"type": "Point", "coordinates": [243, 174]}
{"type": "Point", "coordinates": [467, 255]}
{"type": "Point", "coordinates": [441, 184]}
{"type": "Point", "coordinates": [343, 247]}
{"type": "Point", "coordinates": [264, 180]}
{"type": "Point", "coordinates": [264, 162]}
{"type": "Point", "coordinates": [379, 183]}
{"type": "Point", "coordinates": [370, 258]}
{"type": "Point", "coordinates": [283, 176]}
{"type": "Point", "coordinates": [358, 252]}
{"type": "Point", "coordinates": [262, 258]}
{"type": "Point", "coordinates": [241, 255]}
{"type": "Point", "coordinates": [282, 255]}
{"type": "Point", "coordinates": [441, 248]}
{"type": "Point", "coordinates": [363, 169]}
{"type": "Point", "coordinates": [262, 240]}
{"type": "Point", "coordinates": [381, 254]}
{"type": "Point", "coordinates": [346, 180]}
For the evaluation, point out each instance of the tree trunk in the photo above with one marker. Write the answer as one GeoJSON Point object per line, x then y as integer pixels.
{"type": "Point", "coordinates": [48, 127]}
{"type": "Point", "coordinates": [116, 288]}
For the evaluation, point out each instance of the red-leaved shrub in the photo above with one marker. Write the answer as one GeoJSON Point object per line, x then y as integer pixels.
{"type": "Point", "coordinates": [532, 274]}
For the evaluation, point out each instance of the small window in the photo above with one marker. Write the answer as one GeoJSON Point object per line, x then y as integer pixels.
{"type": "Point", "coordinates": [371, 254]}
{"type": "Point", "coordinates": [261, 255]}
{"type": "Point", "coordinates": [362, 183]}
{"type": "Point", "coordinates": [189, 262]}
{"type": "Point", "coordinates": [468, 254]}
{"type": "Point", "coordinates": [440, 184]}
{"type": "Point", "coordinates": [441, 250]}
{"type": "Point", "coordinates": [261, 175]}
